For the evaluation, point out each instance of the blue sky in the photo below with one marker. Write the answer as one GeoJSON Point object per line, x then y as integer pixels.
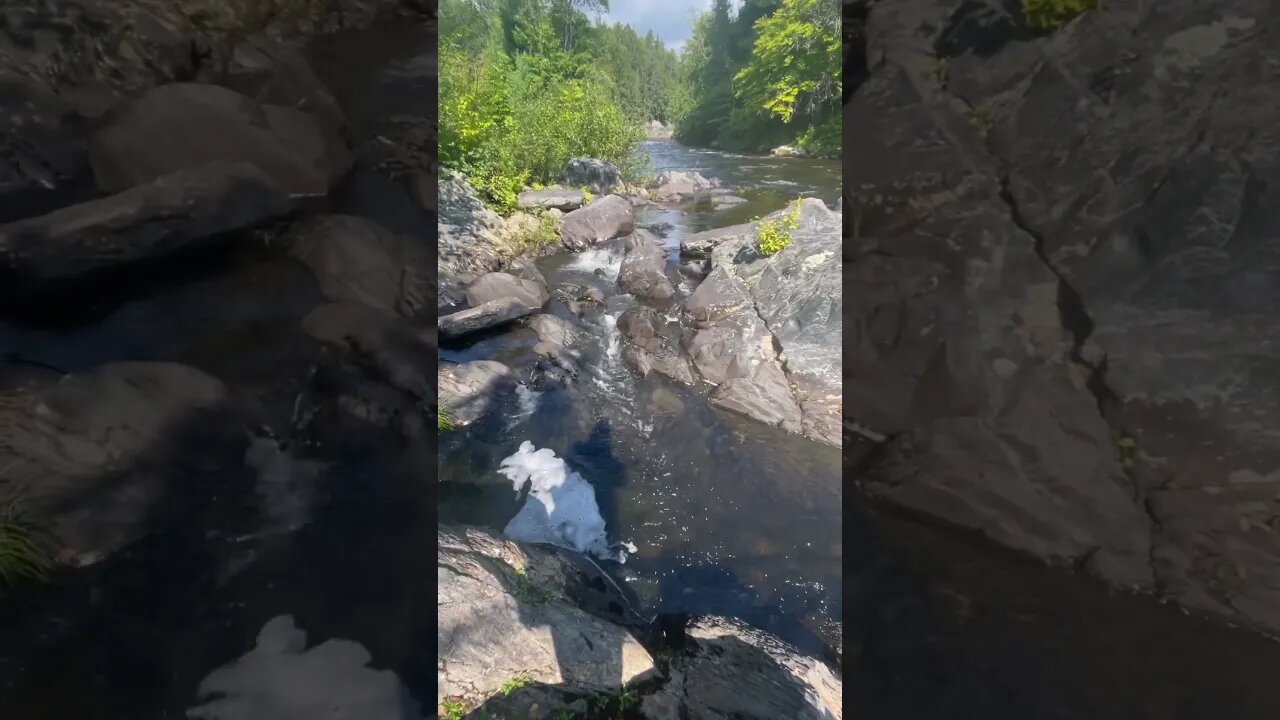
{"type": "Point", "coordinates": [670, 20]}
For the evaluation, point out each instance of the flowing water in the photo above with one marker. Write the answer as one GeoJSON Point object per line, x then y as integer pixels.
{"type": "Point", "coordinates": [728, 516]}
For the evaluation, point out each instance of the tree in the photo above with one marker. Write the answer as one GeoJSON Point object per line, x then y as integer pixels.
{"type": "Point", "coordinates": [795, 62]}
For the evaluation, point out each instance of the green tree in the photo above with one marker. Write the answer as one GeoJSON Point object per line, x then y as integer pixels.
{"type": "Point", "coordinates": [795, 62]}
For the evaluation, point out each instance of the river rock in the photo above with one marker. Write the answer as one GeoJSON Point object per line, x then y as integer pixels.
{"type": "Point", "coordinates": [646, 348]}
{"type": "Point", "coordinates": [468, 242]}
{"type": "Point", "coordinates": [563, 199]}
{"type": "Point", "coordinates": [553, 329]}
{"type": "Point", "coordinates": [186, 210]}
{"type": "Point", "coordinates": [788, 151]}
{"type": "Point", "coordinates": [677, 186]}
{"type": "Point", "coordinates": [467, 389]}
{"type": "Point", "coordinates": [358, 260]}
{"type": "Point", "coordinates": [493, 313]}
{"type": "Point", "coordinates": [277, 73]}
{"type": "Point", "coordinates": [508, 609]}
{"type": "Point", "coordinates": [44, 146]}
{"type": "Point", "coordinates": [643, 271]}
{"type": "Point", "coordinates": [597, 176]}
{"type": "Point", "coordinates": [602, 220]}
{"type": "Point", "coordinates": [723, 202]}
{"type": "Point", "coordinates": [523, 282]}
{"type": "Point", "coordinates": [393, 350]}
{"type": "Point", "coordinates": [733, 670]}
{"type": "Point", "coordinates": [177, 126]}
{"type": "Point", "coordinates": [72, 445]}
{"type": "Point", "coordinates": [700, 244]}
{"type": "Point", "coordinates": [265, 681]}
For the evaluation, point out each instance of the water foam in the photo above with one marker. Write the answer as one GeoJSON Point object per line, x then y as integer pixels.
{"type": "Point", "coordinates": [607, 259]}
{"type": "Point", "coordinates": [561, 506]}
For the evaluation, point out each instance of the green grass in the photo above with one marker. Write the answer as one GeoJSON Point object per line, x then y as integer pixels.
{"type": "Point", "coordinates": [1050, 14]}
{"type": "Point", "coordinates": [22, 556]}
{"type": "Point", "coordinates": [774, 235]}
{"type": "Point", "coordinates": [444, 422]}
{"type": "Point", "coordinates": [452, 710]}
{"type": "Point", "coordinates": [526, 591]}
{"type": "Point", "coordinates": [512, 684]}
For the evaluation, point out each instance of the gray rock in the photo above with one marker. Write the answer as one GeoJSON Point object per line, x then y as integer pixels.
{"type": "Point", "coordinates": [723, 202]}
{"type": "Point", "coordinates": [508, 609]}
{"type": "Point", "coordinates": [493, 313]}
{"type": "Point", "coordinates": [602, 220]}
{"type": "Point", "coordinates": [358, 260]}
{"type": "Point", "coordinates": [186, 210]}
{"type": "Point", "coordinates": [181, 125]}
{"type": "Point", "coordinates": [393, 350]}
{"type": "Point", "coordinates": [552, 329]}
{"type": "Point", "coordinates": [71, 445]}
{"type": "Point", "coordinates": [597, 176]}
{"type": "Point", "coordinates": [278, 73]}
{"type": "Point", "coordinates": [528, 286]}
{"type": "Point", "coordinates": [678, 186]}
{"type": "Point", "coordinates": [283, 678]}
{"type": "Point", "coordinates": [468, 242]}
{"type": "Point", "coordinates": [643, 270]}
{"type": "Point", "coordinates": [735, 671]}
{"type": "Point", "coordinates": [564, 199]}
{"type": "Point", "coordinates": [44, 147]}
{"type": "Point", "coordinates": [468, 389]}
{"type": "Point", "coordinates": [700, 244]}
{"type": "Point", "coordinates": [646, 348]}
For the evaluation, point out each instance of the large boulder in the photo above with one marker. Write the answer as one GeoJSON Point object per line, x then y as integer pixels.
{"type": "Point", "coordinates": [358, 260]}
{"type": "Point", "coordinates": [177, 126]}
{"type": "Point", "coordinates": [555, 198]}
{"type": "Point", "coordinates": [523, 282]}
{"type": "Point", "coordinates": [185, 210]}
{"type": "Point", "coordinates": [676, 186]}
{"type": "Point", "coordinates": [468, 243]}
{"type": "Point", "coordinates": [602, 220]}
{"type": "Point", "coordinates": [509, 610]}
{"type": "Point", "coordinates": [278, 73]}
{"type": "Point", "coordinates": [644, 267]}
{"type": "Point", "coordinates": [489, 314]}
{"type": "Point", "coordinates": [468, 389]}
{"type": "Point", "coordinates": [597, 176]}
{"type": "Point", "coordinates": [732, 670]}
{"type": "Point", "coordinates": [71, 446]}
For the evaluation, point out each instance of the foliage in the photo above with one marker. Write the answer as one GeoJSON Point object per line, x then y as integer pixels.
{"type": "Point", "coordinates": [527, 85]}
{"type": "Point", "coordinates": [765, 76]}
{"type": "Point", "coordinates": [774, 235]}
{"type": "Point", "coordinates": [23, 558]}
{"type": "Point", "coordinates": [627, 699]}
{"type": "Point", "coordinates": [523, 237]}
{"type": "Point", "coordinates": [514, 683]}
{"type": "Point", "coordinates": [795, 62]}
{"type": "Point", "coordinates": [444, 422]}
{"type": "Point", "coordinates": [1049, 14]}
{"type": "Point", "coordinates": [586, 195]}
{"type": "Point", "coordinates": [453, 710]}
{"type": "Point", "coordinates": [526, 591]}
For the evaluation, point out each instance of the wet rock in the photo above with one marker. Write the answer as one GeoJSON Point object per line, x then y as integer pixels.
{"type": "Point", "coordinates": [558, 356]}
{"type": "Point", "coordinates": [42, 144]}
{"type": "Point", "coordinates": [700, 244]}
{"type": "Point", "coordinates": [597, 176]}
{"type": "Point", "coordinates": [553, 329]}
{"type": "Point", "coordinates": [186, 210]}
{"type": "Point", "coordinates": [530, 290]}
{"type": "Point", "coordinates": [563, 199]}
{"type": "Point", "coordinates": [736, 671]}
{"type": "Point", "coordinates": [509, 609]}
{"type": "Point", "coordinates": [71, 448]}
{"type": "Point", "coordinates": [643, 271]}
{"type": "Point", "coordinates": [697, 269]}
{"type": "Point", "coordinates": [788, 151]}
{"type": "Point", "coordinates": [646, 348]}
{"type": "Point", "coordinates": [639, 324]}
{"type": "Point", "coordinates": [677, 186]}
{"type": "Point", "coordinates": [467, 389]}
{"type": "Point", "coordinates": [178, 126]}
{"type": "Point", "coordinates": [493, 313]}
{"type": "Point", "coordinates": [283, 678]}
{"type": "Point", "coordinates": [468, 242]}
{"type": "Point", "coordinates": [602, 220]}
{"type": "Point", "coordinates": [723, 202]}
{"type": "Point", "coordinates": [661, 229]}
{"type": "Point", "coordinates": [387, 345]}
{"type": "Point", "coordinates": [358, 260]}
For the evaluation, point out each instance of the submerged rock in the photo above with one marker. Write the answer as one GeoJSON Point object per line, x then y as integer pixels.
{"type": "Point", "coordinates": [186, 210]}
{"type": "Point", "coordinates": [181, 125]}
{"type": "Point", "coordinates": [643, 271]}
{"type": "Point", "coordinates": [358, 260]}
{"type": "Point", "coordinates": [597, 176]}
{"type": "Point", "coordinates": [602, 220]}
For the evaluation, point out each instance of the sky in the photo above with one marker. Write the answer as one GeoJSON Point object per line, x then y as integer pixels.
{"type": "Point", "coordinates": [670, 20]}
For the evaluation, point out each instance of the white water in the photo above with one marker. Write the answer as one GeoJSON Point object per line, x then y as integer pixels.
{"type": "Point", "coordinates": [561, 506]}
{"type": "Point", "coordinates": [608, 259]}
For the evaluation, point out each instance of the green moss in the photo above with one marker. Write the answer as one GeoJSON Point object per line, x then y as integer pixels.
{"type": "Point", "coordinates": [774, 235]}
{"type": "Point", "coordinates": [1050, 14]}
{"type": "Point", "coordinates": [23, 557]}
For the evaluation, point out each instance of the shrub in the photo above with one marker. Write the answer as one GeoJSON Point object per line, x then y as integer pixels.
{"type": "Point", "coordinates": [1049, 14]}
{"type": "Point", "coordinates": [522, 237]}
{"type": "Point", "coordinates": [23, 557]}
{"type": "Point", "coordinates": [512, 684]}
{"type": "Point", "coordinates": [444, 423]}
{"type": "Point", "coordinates": [774, 235]}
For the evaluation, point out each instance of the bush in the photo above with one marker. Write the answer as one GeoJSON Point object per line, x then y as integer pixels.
{"type": "Point", "coordinates": [523, 237]}
{"type": "Point", "coordinates": [822, 139]}
{"type": "Point", "coordinates": [774, 235]}
{"type": "Point", "coordinates": [23, 557]}
{"type": "Point", "coordinates": [1049, 14]}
